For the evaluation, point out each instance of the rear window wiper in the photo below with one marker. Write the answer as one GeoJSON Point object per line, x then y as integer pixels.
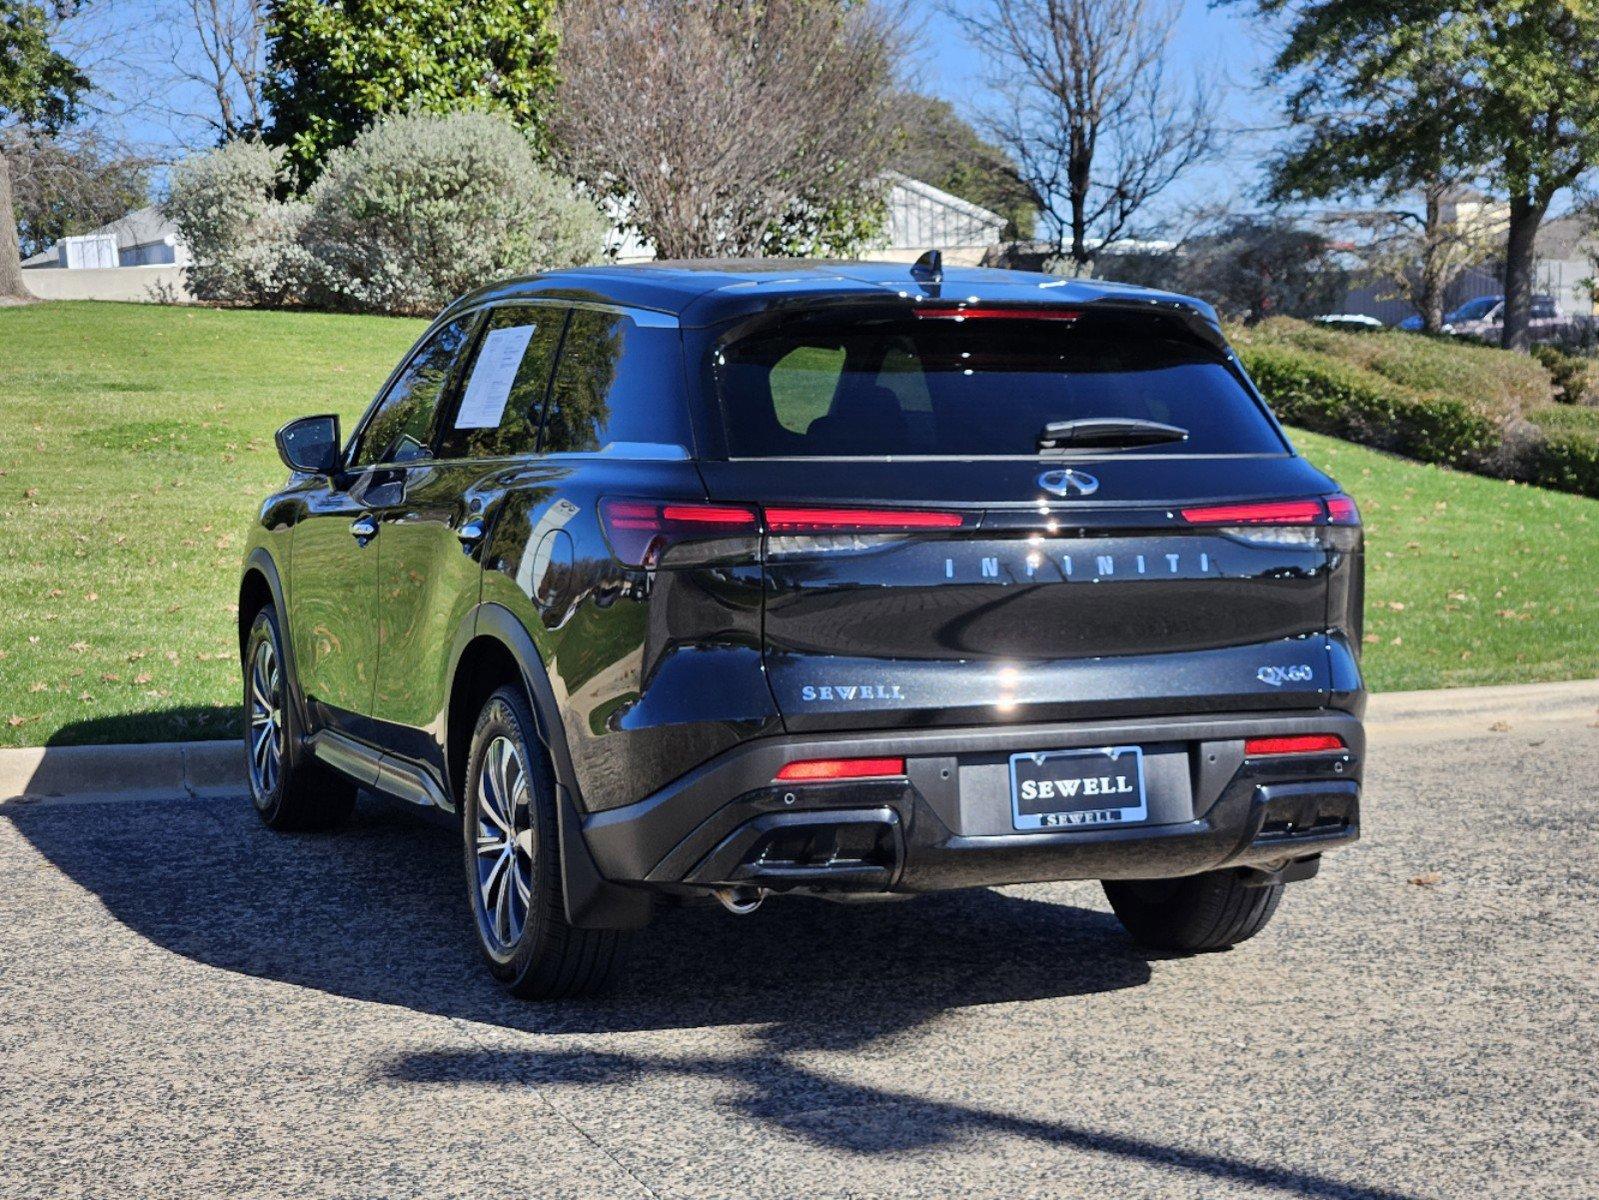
{"type": "Point", "coordinates": [1108, 433]}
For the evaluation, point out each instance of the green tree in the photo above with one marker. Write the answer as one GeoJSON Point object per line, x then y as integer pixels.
{"type": "Point", "coordinates": [333, 66]}
{"type": "Point", "coordinates": [1375, 97]}
{"type": "Point", "coordinates": [1396, 97]}
{"type": "Point", "coordinates": [940, 148]}
{"type": "Point", "coordinates": [39, 93]}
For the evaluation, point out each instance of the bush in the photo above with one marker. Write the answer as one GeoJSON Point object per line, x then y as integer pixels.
{"type": "Point", "coordinates": [420, 208]}
{"type": "Point", "coordinates": [1331, 398]}
{"type": "Point", "coordinates": [245, 242]}
{"type": "Point", "coordinates": [1482, 410]}
{"type": "Point", "coordinates": [1569, 372]}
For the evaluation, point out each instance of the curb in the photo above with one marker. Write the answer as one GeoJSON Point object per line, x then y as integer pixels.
{"type": "Point", "coordinates": [157, 770]}
{"type": "Point", "coordinates": [203, 770]}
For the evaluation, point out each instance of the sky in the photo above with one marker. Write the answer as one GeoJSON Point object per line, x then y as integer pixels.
{"type": "Point", "coordinates": [1223, 42]}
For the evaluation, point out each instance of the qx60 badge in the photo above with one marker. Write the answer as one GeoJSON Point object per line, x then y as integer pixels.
{"type": "Point", "coordinates": [1063, 481]}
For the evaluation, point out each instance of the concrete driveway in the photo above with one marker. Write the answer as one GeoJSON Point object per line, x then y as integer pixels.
{"type": "Point", "coordinates": [191, 1006]}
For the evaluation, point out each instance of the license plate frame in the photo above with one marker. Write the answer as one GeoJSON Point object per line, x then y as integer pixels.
{"type": "Point", "coordinates": [1084, 810]}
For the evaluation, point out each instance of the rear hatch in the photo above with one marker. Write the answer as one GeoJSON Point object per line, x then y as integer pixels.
{"type": "Point", "coordinates": [948, 542]}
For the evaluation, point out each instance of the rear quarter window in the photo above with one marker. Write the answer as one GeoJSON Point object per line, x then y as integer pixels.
{"type": "Point", "coordinates": [616, 382]}
{"type": "Point", "coordinates": [903, 385]}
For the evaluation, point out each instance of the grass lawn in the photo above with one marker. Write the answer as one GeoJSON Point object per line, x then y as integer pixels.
{"type": "Point", "coordinates": [137, 441]}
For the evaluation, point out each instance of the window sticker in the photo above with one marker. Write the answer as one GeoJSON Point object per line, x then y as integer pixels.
{"type": "Point", "coordinates": [493, 375]}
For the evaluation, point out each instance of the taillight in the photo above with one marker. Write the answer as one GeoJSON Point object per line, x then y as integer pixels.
{"type": "Point", "coordinates": [1335, 510]}
{"type": "Point", "coordinates": [832, 520]}
{"type": "Point", "coordinates": [640, 531]}
{"type": "Point", "coordinates": [989, 313]}
{"type": "Point", "coordinates": [1341, 510]}
{"type": "Point", "coordinates": [819, 770]}
{"type": "Point", "coordinates": [1304, 743]}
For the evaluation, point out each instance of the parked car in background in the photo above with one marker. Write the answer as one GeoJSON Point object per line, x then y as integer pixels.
{"type": "Point", "coordinates": [690, 581]}
{"type": "Point", "coordinates": [1484, 317]}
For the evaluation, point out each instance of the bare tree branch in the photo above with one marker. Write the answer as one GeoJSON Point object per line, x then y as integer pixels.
{"type": "Point", "coordinates": [1088, 112]}
{"type": "Point", "coordinates": [713, 120]}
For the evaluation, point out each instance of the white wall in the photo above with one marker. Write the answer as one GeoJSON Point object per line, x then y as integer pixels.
{"type": "Point", "coordinates": [145, 284]}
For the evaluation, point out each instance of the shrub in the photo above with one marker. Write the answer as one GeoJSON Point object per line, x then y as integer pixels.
{"type": "Point", "coordinates": [244, 241]}
{"type": "Point", "coordinates": [421, 208]}
{"type": "Point", "coordinates": [1329, 397]}
{"type": "Point", "coordinates": [1569, 372]}
{"type": "Point", "coordinates": [1482, 410]}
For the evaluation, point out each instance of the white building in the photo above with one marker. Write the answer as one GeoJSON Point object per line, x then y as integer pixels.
{"type": "Point", "coordinates": [140, 256]}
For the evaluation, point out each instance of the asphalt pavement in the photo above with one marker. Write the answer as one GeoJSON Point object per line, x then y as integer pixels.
{"type": "Point", "coordinates": [193, 1006]}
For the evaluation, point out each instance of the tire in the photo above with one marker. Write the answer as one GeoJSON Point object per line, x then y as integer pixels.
{"type": "Point", "coordinates": [514, 882]}
{"type": "Point", "coordinates": [291, 790]}
{"type": "Point", "coordinates": [1195, 913]}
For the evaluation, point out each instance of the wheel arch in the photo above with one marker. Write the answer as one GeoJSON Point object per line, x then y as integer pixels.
{"type": "Point", "coordinates": [495, 648]}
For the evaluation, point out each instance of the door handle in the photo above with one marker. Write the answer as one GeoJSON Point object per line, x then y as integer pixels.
{"type": "Point", "coordinates": [363, 529]}
{"type": "Point", "coordinates": [470, 534]}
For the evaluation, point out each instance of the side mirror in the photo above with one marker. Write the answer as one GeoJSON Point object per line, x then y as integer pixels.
{"type": "Point", "coordinates": [311, 445]}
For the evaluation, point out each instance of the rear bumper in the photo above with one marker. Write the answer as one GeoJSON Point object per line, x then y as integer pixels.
{"type": "Point", "coordinates": [948, 823]}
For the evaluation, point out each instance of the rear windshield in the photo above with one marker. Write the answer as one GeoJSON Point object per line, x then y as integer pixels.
{"type": "Point", "coordinates": [909, 385]}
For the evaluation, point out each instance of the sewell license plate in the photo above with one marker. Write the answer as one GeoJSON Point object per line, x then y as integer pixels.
{"type": "Point", "coordinates": [1061, 789]}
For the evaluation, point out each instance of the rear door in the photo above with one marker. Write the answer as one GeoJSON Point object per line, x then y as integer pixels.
{"type": "Point", "coordinates": [925, 563]}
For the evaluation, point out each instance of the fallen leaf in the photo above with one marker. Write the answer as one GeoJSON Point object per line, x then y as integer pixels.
{"type": "Point", "coordinates": [1499, 727]}
{"type": "Point", "coordinates": [142, 678]}
{"type": "Point", "coordinates": [1427, 879]}
{"type": "Point", "coordinates": [78, 647]}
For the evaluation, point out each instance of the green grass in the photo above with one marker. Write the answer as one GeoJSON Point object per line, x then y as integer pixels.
{"type": "Point", "coordinates": [135, 445]}
{"type": "Point", "coordinates": [137, 442]}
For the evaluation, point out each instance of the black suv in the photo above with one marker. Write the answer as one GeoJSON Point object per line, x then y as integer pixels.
{"type": "Point", "coordinates": [728, 579]}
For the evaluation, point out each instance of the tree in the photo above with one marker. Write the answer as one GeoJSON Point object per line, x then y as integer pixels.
{"type": "Point", "coordinates": [39, 94]}
{"type": "Point", "coordinates": [1536, 63]}
{"type": "Point", "coordinates": [220, 49]}
{"type": "Point", "coordinates": [1379, 108]}
{"type": "Point", "coordinates": [718, 127]}
{"type": "Point", "coordinates": [1250, 266]}
{"type": "Point", "coordinates": [940, 148]}
{"type": "Point", "coordinates": [1420, 95]}
{"type": "Point", "coordinates": [333, 66]}
{"type": "Point", "coordinates": [1088, 112]}
{"type": "Point", "coordinates": [63, 186]}
{"type": "Point", "coordinates": [1421, 254]}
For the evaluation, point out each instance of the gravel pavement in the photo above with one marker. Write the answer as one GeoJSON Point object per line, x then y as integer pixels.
{"type": "Point", "coordinates": [192, 1006]}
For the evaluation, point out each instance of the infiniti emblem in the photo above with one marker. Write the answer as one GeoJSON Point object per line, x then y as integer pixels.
{"type": "Point", "coordinates": [1065, 482]}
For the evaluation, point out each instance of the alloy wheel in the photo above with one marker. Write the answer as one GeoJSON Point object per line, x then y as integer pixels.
{"type": "Point", "coordinates": [504, 845]}
{"type": "Point", "coordinates": [266, 720]}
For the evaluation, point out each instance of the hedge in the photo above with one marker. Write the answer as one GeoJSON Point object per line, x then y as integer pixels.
{"type": "Point", "coordinates": [1329, 397]}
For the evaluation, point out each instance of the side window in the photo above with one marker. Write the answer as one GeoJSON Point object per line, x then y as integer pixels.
{"type": "Point", "coordinates": [400, 426]}
{"type": "Point", "coordinates": [502, 394]}
{"type": "Point", "coordinates": [803, 382]}
{"type": "Point", "coordinates": [617, 381]}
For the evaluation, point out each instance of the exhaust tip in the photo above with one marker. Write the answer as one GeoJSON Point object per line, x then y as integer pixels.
{"type": "Point", "coordinates": [740, 901]}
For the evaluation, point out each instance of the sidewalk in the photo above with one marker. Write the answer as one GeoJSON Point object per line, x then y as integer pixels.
{"type": "Point", "coordinates": [203, 769]}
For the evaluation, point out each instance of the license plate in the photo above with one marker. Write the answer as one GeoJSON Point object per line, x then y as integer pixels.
{"type": "Point", "coordinates": [1063, 789]}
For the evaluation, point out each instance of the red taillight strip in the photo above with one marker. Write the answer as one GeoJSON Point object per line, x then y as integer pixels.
{"type": "Point", "coordinates": [998, 314]}
{"type": "Point", "coordinates": [817, 770]}
{"type": "Point", "coordinates": [1270, 512]}
{"type": "Point", "coordinates": [1304, 743]}
{"type": "Point", "coordinates": [803, 520]}
{"type": "Point", "coordinates": [1341, 510]}
{"type": "Point", "coordinates": [708, 514]}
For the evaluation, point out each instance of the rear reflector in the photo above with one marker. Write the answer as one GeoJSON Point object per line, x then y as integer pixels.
{"type": "Point", "coordinates": [997, 314]}
{"type": "Point", "coordinates": [640, 530]}
{"type": "Point", "coordinates": [816, 770]}
{"type": "Point", "coordinates": [1304, 743]}
{"type": "Point", "coordinates": [830, 520]}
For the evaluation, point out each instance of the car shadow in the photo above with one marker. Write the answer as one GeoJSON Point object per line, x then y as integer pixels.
{"type": "Point", "coordinates": [377, 912]}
